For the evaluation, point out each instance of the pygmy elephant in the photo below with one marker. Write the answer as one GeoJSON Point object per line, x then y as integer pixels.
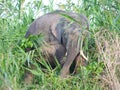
{"type": "Point", "coordinates": [64, 32]}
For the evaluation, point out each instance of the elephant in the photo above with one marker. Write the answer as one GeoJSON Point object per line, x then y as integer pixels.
{"type": "Point", "coordinates": [64, 32]}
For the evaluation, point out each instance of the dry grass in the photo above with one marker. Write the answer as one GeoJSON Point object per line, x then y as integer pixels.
{"type": "Point", "coordinates": [108, 44]}
{"type": "Point", "coordinates": [14, 21]}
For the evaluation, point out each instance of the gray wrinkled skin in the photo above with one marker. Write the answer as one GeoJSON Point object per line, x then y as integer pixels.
{"type": "Point", "coordinates": [63, 31]}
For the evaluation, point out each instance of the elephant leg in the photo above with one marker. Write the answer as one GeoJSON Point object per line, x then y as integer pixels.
{"type": "Point", "coordinates": [49, 52]}
{"type": "Point", "coordinates": [75, 64]}
{"type": "Point", "coordinates": [54, 50]}
{"type": "Point", "coordinates": [60, 53]}
{"type": "Point", "coordinates": [28, 76]}
{"type": "Point", "coordinates": [79, 61]}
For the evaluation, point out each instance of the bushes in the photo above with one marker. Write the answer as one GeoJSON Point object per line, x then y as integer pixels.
{"type": "Point", "coordinates": [103, 45]}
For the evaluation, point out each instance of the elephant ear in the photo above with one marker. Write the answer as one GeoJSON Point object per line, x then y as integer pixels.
{"type": "Point", "coordinates": [56, 30]}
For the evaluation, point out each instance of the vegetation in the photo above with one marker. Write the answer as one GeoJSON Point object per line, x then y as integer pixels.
{"type": "Point", "coordinates": [103, 46]}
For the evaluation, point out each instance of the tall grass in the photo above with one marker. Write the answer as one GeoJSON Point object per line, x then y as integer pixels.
{"type": "Point", "coordinates": [103, 46]}
{"type": "Point", "coordinates": [108, 44]}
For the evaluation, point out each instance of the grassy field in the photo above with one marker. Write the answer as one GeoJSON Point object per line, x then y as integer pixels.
{"type": "Point", "coordinates": [103, 47]}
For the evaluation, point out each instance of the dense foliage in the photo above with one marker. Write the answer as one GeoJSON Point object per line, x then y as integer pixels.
{"type": "Point", "coordinates": [15, 17]}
